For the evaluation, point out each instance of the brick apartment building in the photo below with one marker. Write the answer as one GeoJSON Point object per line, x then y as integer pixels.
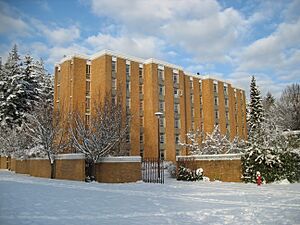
{"type": "Point", "coordinates": [187, 101]}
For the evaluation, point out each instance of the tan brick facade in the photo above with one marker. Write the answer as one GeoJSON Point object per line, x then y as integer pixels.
{"type": "Point", "coordinates": [202, 101]}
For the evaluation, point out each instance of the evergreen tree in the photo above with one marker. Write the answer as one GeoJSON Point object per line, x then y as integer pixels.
{"type": "Point", "coordinates": [45, 83]}
{"type": "Point", "coordinates": [255, 111]}
{"type": "Point", "coordinates": [268, 102]}
{"type": "Point", "coordinates": [12, 90]}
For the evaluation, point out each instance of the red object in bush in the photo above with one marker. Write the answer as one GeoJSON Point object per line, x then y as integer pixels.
{"type": "Point", "coordinates": [258, 179]}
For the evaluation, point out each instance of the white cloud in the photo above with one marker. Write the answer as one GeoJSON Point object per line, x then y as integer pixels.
{"type": "Point", "coordinates": [57, 35]}
{"type": "Point", "coordinates": [208, 39]}
{"type": "Point", "coordinates": [273, 51]}
{"type": "Point", "coordinates": [12, 26]}
{"type": "Point", "coordinates": [144, 47]}
{"type": "Point", "coordinates": [201, 28]}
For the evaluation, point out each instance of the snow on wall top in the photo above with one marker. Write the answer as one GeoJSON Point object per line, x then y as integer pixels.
{"type": "Point", "coordinates": [212, 157]}
{"type": "Point", "coordinates": [120, 159]}
{"type": "Point", "coordinates": [70, 156]}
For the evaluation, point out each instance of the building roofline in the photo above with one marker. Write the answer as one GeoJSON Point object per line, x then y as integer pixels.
{"type": "Point", "coordinates": [143, 61]}
{"type": "Point", "coordinates": [117, 54]}
{"type": "Point", "coordinates": [163, 63]}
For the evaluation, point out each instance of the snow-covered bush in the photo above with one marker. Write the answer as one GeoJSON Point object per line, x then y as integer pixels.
{"type": "Point", "coordinates": [171, 168]}
{"type": "Point", "coordinates": [187, 174]}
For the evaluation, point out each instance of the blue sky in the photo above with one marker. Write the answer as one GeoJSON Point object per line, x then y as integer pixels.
{"type": "Point", "coordinates": [228, 39]}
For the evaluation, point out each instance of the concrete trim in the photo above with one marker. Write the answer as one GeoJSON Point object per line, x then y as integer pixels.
{"type": "Point", "coordinates": [38, 159]}
{"type": "Point", "coordinates": [121, 159]}
{"type": "Point", "coordinates": [212, 157]}
{"type": "Point", "coordinates": [70, 156]}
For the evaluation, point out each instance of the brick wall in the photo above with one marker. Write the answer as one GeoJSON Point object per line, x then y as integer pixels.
{"type": "Point", "coordinates": [39, 168]}
{"type": "Point", "coordinates": [119, 170]}
{"type": "Point", "coordinates": [227, 168]}
{"type": "Point", "coordinates": [2, 162]}
{"type": "Point", "coordinates": [22, 166]}
{"type": "Point", "coordinates": [70, 167]}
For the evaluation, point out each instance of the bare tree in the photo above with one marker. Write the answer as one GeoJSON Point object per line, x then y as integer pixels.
{"type": "Point", "coordinates": [288, 107]}
{"type": "Point", "coordinates": [47, 130]}
{"type": "Point", "coordinates": [102, 134]}
{"type": "Point", "coordinates": [14, 142]}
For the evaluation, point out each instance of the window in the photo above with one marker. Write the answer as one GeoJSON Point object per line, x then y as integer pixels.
{"type": "Point", "coordinates": [128, 103]}
{"type": "Point", "coordinates": [176, 93]}
{"type": "Point", "coordinates": [88, 88]}
{"type": "Point", "coordinates": [226, 102]}
{"type": "Point", "coordinates": [193, 112]}
{"type": "Point", "coordinates": [200, 86]}
{"type": "Point", "coordinates": [161, 75]}
{"type": "Point", "coordinates": [227, 115]}
{"type": "Point", "coordinates": [141, 138]}
{"type": "Point", "coordinates": [162, 122]}
{"type": "Point", "coordinates": [161, 106]}
{"type": "Point", "coordinates": [162, 138]}
{"type": "Point", "coordinates": [216, 114]}
{"type": "Point", "coordinates": [87, 104]}
{"type": "Point", "coordinates": [141, 87]}
{"type": "Point", "coordinates": [88, 69]}
{"type": "Point", "coordinates": [87, 120]}
{"type": "Point", "coordinates": [192, 98]}
{"type": "Point", "coordinates": [58, 92]}
{"type": "Point", "coordinates": [128, 86]}
{"type": "Point", "coordinates": [175, 78]}
{"type": "Point", "coordinates": [114, 100]}
{"type": "Point", "coordinates": [177, 123]}
{"type": "Point", "coordinates": [193, 125]}
{"type": "Point", "coordinates": [141, 121]}
{"type": "Point", "coordinates": [225, 90]}
{"type": "Point", "coordinates": [176, 108]}
{"type": "Point", "coordinates": [141, 105]}
{"type": "Point", "coordinates": [114, 83]}
{"type": "Point", "coordinates": [191, 83]}
{"type": "Point", "coordinates": [216, 88]}
{"type": "Point", "coordinates": [113, 66]}
{"type": "Point", "coordinates": [127, 70]}
{"type": "Point", "coordinates": [216, 101]}
{"type": "Point", "coordinates": [177, 139]}
{"type": "Point", "coordinates": [161, 90]}
{"type": "Point", "coordinates": [141, 73]}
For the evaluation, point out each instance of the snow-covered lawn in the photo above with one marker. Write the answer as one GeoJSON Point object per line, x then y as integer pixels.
{"type": "Point", "coordinates": [30, 200]}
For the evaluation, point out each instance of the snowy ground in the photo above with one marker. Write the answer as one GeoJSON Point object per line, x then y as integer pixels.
{"type": "Point", "coordinates": [29, 200]}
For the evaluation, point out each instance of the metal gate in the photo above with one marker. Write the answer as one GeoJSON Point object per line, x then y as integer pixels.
{"type": "Point", "coordinates": [153, 170]}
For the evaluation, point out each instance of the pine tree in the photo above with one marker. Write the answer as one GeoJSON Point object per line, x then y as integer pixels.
{"type": "Point", "coordinates": [255, 111]}
{"type": "Point", "coordinates": [268, 102]}
{"type": "Point", "coordinates": [12, 90]}
{"type": "Point", "coordinates": [45, 83]}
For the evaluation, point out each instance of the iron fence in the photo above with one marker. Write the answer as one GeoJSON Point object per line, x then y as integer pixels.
{"type": "Point", "coordinates": [153, 170]}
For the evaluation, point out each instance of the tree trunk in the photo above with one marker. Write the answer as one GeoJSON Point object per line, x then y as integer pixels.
{"type": "Point", "coordinates": [53, 170]}
{"type": "Point", "coordinates": [93, 171]}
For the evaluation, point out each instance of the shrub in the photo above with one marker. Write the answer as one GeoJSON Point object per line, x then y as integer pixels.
{"type": "Point", "coordinates": [187, 174]}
